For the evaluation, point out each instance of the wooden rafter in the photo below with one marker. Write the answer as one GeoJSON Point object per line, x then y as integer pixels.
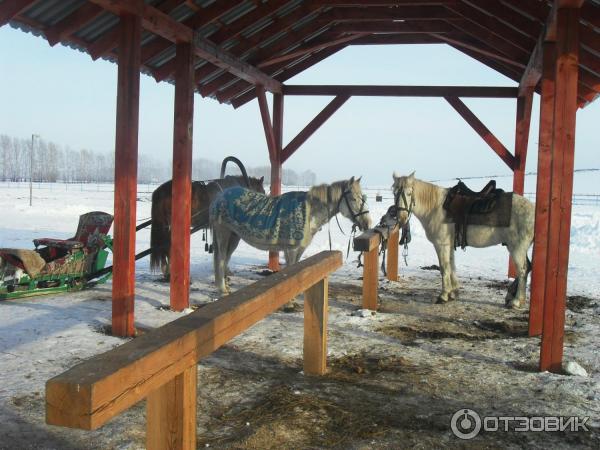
{"type": "Point", "coordinates": [267, 124]}
{"type": "Point", "coordinates": [313, 126]}
{"type": "Point", "coordinates": [73, 22]}
{"type": "Point", "coordinates": [408, 26]}
{"type": "Point", "coordinates": [11, 8]}
{"type": "Point", "coordinates": [161, 24]}
{"type": "Point", "coordinates": [402, 12]}
{"type": "Point", "coordinates": [482, 131]}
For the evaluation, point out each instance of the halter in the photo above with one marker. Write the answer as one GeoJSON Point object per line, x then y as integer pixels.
{"type": "Point", "coordinates": [354, 215]}
{"type": "Point", "coordinates": [399, 194]}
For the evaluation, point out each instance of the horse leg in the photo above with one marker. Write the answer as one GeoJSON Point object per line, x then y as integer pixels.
{"type": "Point", "coordinates": [220, 242]}
{"type": "Point", "coordinates": [234, 240]}
{"type": "Point", "coordinates": [515, 298]}
{"type": "Point", "coordinates": [454, 280]}
{"type": "Point", "coordinates": [443, 252]}
{"type": "Point", "coordinates": [292, 256]}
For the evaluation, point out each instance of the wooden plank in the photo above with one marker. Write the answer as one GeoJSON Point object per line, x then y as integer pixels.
{"type": "Point", "coordinates": [533, 71]}
{"type": "Point", "coordinates": [370, 239]}
{"type": "Point", "coordinates": [276, 164]}
{"type": "Point", "coordinates": [171, 413]}
{"type": "Point", "coordinates": [316, 304]}
{"type": "Point", "coordinates": [12, 8]}
{"type": "Point", "coordinates": [542, 196]}
{"type": "Point", "coordinates": [126, 154]}
{"type": "Point", "coordinates": [179, 258]}
{"type": "Point", "coordinates": [370, 279]}
{"type": "Point", "coordinates": [405, 27]}
{"type": "Point", "coordinates": [392, 255]}
{"type": "Point", "coordinates": [313, 126]}
{"type": "Point", "coordinates": [402, 91]}
{"type": "Point", "coordinates": [563, 149]}
{"type": "Point", "coordinates": [91, 393]}
{"type": "Point", "coordinates": [482, 130]}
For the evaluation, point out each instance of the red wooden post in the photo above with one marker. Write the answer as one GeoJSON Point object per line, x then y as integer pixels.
{"type": "Point", "coordinates": [542, 198]}
{"type": "Point", "coordinates": [182, 177]}
{"type": "Point", "coordinates": [561, 179]}
{"type": "Point", "coordinates": [126, 156]}
{"type": "Point", "coordinates": [521, 141]}
{"type": "Point", "coordinates": [276, 163]}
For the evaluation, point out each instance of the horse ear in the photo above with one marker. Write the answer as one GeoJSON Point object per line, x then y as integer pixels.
{"type": "Point", "coordinates": [352, 179]}
{"type": "Point", "coordinates": [262, 178]}
{"type": "Point", "coordinates": [412, 175]}
{"type": "Point", "coordinates": [358, 179]}
{"type": "Point", "coordinates": [395, 175]}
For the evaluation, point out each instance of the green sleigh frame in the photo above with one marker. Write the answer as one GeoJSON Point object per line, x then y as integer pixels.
{"type": "Point", "coordinates": [59, 265]}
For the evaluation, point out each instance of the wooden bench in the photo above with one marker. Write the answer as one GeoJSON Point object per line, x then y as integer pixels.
{"type": "Point", "coordinates": [161, 366]}
{"type": "Point", "coordinates": [368, 243]}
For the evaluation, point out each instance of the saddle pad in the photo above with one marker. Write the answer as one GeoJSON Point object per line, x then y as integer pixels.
{"type": "Point", "coordinates": [498, 217]}
{"type": "Point", "coordinates": [30, 260]}
{"type": "Point", "coordinates": [282, 220]}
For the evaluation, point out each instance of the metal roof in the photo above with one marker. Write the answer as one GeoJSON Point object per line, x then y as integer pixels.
{"type": "Point", "coordinates": [500, 33]}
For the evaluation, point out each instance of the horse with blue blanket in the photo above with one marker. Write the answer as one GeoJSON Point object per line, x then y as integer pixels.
{"type": "Point", "coordinates": [285, 223]}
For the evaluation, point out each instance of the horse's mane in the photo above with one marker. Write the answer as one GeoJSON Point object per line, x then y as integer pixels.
{"type": "Point", "coordinates": [427, 195]}
{"type": "Point", "coordinates": [325, 193]}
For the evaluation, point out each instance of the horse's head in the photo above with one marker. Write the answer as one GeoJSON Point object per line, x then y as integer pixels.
{"type": "Point", "coordinates": [404, 201]}
{"type": "Point", "coordinates": [353, 204]}
{"type": "Point", "coordinates": [256, 184]}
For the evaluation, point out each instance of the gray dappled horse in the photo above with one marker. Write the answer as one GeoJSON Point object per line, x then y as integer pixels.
{"type": "Point", "coordinates": [425, 201]}
{"type": "Point", "coordinates": [285, 223]}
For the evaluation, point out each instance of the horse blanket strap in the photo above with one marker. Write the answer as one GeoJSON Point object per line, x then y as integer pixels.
{"type": "Point", "coordinates": [491, 207]}
{"type": "Point", "coordinates": [278, 220]}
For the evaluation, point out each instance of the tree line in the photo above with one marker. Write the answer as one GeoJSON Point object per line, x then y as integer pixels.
{"type": "Point", "coordinates": [53, 163]}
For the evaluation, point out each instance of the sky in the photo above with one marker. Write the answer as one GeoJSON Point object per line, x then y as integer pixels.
{"type": "Point", "coordinates": [65, 97]}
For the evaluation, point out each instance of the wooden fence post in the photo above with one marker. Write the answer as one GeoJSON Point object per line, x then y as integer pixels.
{"type": "Point", "coordinates": [316, 305]}
{"type": "Point", "coordinates": [171, 413]}
{"type": "Point", "coordinates": [392, 255]}
{"type": "Point", "coordinates": [370, 278]}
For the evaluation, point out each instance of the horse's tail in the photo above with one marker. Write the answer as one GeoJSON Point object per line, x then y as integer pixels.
{"type": "Point", "coordinates": [160, 235]}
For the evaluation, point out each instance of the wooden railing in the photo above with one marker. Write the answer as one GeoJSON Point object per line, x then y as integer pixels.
{"type": "Point", "coordinates": [161, 365]}
{"type": "Point", "coordinates": [368, 243]}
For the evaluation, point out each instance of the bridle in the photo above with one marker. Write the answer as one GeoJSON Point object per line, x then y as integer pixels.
{"type": "Point", "coordinates": [354, 215]}
{"type": "Point", "coordinates": [400, 195]}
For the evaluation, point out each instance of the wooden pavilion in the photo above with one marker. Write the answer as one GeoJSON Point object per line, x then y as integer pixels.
{"type": "Point", "coordinates": [236, 50]}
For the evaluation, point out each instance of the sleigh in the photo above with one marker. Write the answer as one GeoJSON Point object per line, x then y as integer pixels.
{"type": "Point", "coordinates": [57, 265]}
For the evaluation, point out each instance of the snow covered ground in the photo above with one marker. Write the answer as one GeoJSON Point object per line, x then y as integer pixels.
{"type": "Point", "coordinates": [41, 337]}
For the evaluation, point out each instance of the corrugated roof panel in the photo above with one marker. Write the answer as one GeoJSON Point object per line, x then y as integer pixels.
{"type": "Point", "coordinates": [50, 12]}
{"type": "Point", "coordinates": [96, 28]}
{"type": "Point", "coordinates": [163, 57]}
{"type": "Point", "coordinates": [238, 12]}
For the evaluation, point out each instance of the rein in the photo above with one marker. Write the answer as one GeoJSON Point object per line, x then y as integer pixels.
{"type": "Point", "coordinates": [355, 215]}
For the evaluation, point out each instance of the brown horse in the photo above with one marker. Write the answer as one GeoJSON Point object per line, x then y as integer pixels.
{"type": "Point", "coordinates": [202, 195]}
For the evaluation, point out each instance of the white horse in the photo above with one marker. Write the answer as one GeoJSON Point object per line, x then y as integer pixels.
{"type": "Point", "coordinates": [425, 201]}
{"type": "Point", "coordinates": [287, 222]}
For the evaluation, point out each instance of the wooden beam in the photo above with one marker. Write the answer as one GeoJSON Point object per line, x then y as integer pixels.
{"type": "Point", "coordinates": [126, 157]}
{"type": "Point", "coordinates": [171, 413]}
{"type": "Point", "coordinates": [461, 42]}
{"type": "Point", "coordinates": [179, 259]}
{"type": "Point", "coordinates": [93, 392]}
{"type": "Point", "coordinates": [542, 193]}
{"type": "Point", "coordinates": [315, 328]}
{"type": "Point", "coordinates": [370, 279]}
{"type": "Point", "coordinates": [395, 39]}
{"type": "Point", "coordinates": [482, 131]}
{"type": "Point", "coordinates": [394, 3]}
{"type": "Point", "coordinates": [533, 71]}
{"type": "Point", "coordinates": [313, 126]}
{"type": "Point", "coordinates": [407, 27]}
{"type": "Point", "coordinates": [276, 165]}
{"type": "Point", "coordinates": [385, 13]}
{"type": "Point", "coordinates": [265, 116]}
{"type": "Point", "coordinates": [392, 254]}
{"type": "Point", "coordinates": [561, 192]}
{"type": "Point", "coordinates": [12, 8]}
{"type": "Point", "coordinates": [73, 22]}
{"type": "Point", "coordinates": [402, 91]}
{"type": "Point", "coordinates": [310, 49]}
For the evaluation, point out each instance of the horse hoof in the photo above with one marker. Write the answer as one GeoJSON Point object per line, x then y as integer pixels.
{"type": "Point", "coordinates": [441, 300]}
{"type": "Point", "coordinates": [513, 304]}
{"type": "Point", "coordinates": [291, 307]}
{"type": "Point", "coordinates": [453, 296]}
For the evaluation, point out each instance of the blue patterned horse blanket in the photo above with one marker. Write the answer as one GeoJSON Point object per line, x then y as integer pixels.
{"type": "Point", "coordinates": [282, 220]}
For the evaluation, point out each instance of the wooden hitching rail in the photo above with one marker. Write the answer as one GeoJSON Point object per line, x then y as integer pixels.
{"type": "Point", "coordinates": [368, 243]}
{"type": "Point", "coordinates": [162, 365]}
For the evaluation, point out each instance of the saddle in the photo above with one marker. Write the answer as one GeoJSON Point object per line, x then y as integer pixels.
{"type": "Point", "coordinates": [463, 205]}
